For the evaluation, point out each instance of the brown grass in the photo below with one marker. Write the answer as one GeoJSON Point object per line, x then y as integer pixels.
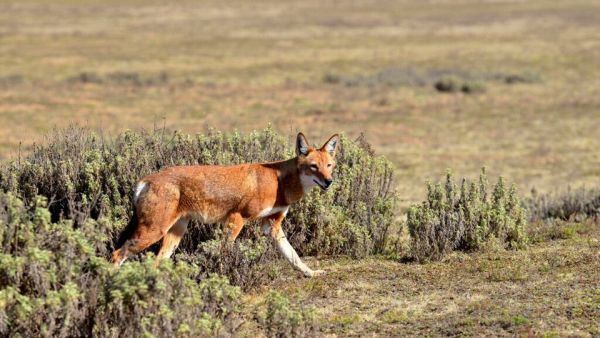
{"type": "Point", "coordinates": [550, 289]}
{"type": "Point", "coordinates": [239, 66]}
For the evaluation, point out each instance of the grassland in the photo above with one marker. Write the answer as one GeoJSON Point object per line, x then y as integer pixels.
{"type": "Point", "coordinates": [241, 65]}
{"type": "Point", "coordinates": [550, 290]}
{"type": "Point", "coordinates": [357, 67]}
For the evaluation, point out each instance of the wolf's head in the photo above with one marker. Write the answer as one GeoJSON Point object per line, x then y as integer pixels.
{"type": "Point", "coordinates": [316, 165]}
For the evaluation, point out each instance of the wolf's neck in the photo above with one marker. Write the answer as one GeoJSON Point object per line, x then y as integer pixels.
{"type": "Point", "coordinates": [290, 184]}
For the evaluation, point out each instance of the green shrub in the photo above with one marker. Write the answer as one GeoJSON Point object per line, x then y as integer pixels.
{"type": "Point", "coordinates": [85, 176]}
{"type": "Point", "coordinates": [246, 263]}
{"type": "Point", "coordinates": [558, 229]}
{"type": "Point", "coordinates": [526, 77]}
{"type": "Point", "coordinates": [453, 84]}
{"type": "Point", "coordinates": [465, 218]}
{"type": "Point", "coordinates": [52, 283]}
{"type": "Point", "coordinates": [141, 300]}
{"type": "Point", "coordinates": [472, 87]}
{"type": "Point", "coordinates": [54, 275]}
{"type": "Point", "coordinates": [448, 84]}
{"type": "Point", "coordinates": [279, 319]}
{"type": "Point", "coordinates": [41, 264]}
{"type": "Point", "coordinates": [121, 78]}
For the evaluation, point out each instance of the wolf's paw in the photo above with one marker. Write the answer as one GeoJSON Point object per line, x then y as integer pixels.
{"type": "Point", "coordinates": [313, 273]}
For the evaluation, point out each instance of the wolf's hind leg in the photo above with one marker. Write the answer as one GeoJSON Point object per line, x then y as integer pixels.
{"type": "Point", "coordinates": [172, 239]}
{"type": "Point", "coordinates": [147, 232]}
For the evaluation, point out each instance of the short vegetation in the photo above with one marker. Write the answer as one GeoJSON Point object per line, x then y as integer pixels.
{"type": "Point", "coordinates": [466, 217]}
{"type": "Point", "coordinates": [64, 206]}
{"type": "Point", "coordinates": [571, 205]}
{"type": "Point", "coordinates": [55, 281]}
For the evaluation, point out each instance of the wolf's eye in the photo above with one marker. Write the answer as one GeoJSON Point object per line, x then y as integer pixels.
{"type": "Point", "coordinates": [314, 167]}
{"type": "Point", "coordinates": [329, 165]}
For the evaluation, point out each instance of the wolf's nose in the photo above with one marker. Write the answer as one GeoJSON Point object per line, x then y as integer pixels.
{"type": "Point", "coordinates": [328, 182]}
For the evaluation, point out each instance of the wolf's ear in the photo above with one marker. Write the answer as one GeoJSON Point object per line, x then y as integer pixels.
{"type": "Point", "coordinates": [301, 145]}
{"type": "Point", "coordinates": [331, 145]}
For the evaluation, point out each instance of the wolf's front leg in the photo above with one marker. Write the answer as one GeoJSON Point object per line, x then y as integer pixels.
{"type": "Point", "coordinates": [273, 227]}
{"type": "Point", "coordinates": [290, 254]}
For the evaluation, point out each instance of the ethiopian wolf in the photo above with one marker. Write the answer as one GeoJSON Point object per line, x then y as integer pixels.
{"type": "Point", "coordinates": [230, 195]}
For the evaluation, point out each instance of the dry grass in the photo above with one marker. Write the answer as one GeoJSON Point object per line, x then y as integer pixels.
{"type": "Point", "coordinates": [550, 289]}
{"type": "Point", "coordinates": [242, 65]}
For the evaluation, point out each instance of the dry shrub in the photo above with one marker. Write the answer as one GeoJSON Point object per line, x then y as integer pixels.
{"type": "Point", "coordinates": [571, 205]}
{"type": "Point", "coordinates": [121, 78]}
{"type": "Point", "coordinates": [465, 218]}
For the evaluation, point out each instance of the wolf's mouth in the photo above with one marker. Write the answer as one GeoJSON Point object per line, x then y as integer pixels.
{"type": "Point", "coordinates": [320, 185]}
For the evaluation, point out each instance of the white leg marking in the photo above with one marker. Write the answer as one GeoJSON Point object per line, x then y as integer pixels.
{"type": "Point", "coordinates": [290, 254]}
{"type": "Point", "coordinates": [169, 253]}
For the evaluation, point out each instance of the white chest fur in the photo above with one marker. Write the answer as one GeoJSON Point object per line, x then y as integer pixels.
{"type": "Point", "coordinates": [271, 211]}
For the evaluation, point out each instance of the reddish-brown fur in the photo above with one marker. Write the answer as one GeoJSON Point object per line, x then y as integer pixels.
{"type": "Point", "coordinates": [230, 195]}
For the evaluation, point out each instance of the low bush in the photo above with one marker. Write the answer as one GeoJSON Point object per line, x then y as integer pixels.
{"type": "Point", "coordinates": [448, 84]}
{"type": "Point", "coordinates": [141, 300]}
{"type": "Point", "coordinates": [526, 77]}
{"type": "Point", "coordinates": [86, 176]}
{"type": "Point", "coordinates": [53, 283]}
{"type": "Point", "coordinates": [443, 80]}
{"type": "Point", "coordinates": [453, 84]}
{"type": "Point", "coordinates": [278, 318]}
{"type": "Point", "coordinates": [465, 217]}
{"type": "Point", "coordinates": [11, 80]}
{"type": "Point", "coordinates": [571, 205]}
{"type": "Point", "coordinates": [121, 78]}
{"type": "Point", "coordinates": [247, 263]}
{"type": "Point", "coordinates": [558, 229]}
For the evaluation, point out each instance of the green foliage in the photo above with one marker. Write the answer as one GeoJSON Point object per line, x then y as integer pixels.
{"type": "Point", "coordinates": [86, 176]}
{"type": "Point", "coordinates": [449, 84]}
{"type": "Point", "coordinates": [279, 319]}
{"type": "Point", "coordinates": [246, 262]}
{"type": "Point", "coordinates": [63, 207]}
{"type": "Point", "coordinates": [53, 283]}
{"type": "Point", "coordinates": [559, 229]}
{"type": "Point", "coordinates": [453, 84]}
{"type": "Point", "coordinates": [519, 320]}
{"type": "Point", "coordinates": [165, 302]}
{"type": "Point", "coordinates": [465, 218]}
